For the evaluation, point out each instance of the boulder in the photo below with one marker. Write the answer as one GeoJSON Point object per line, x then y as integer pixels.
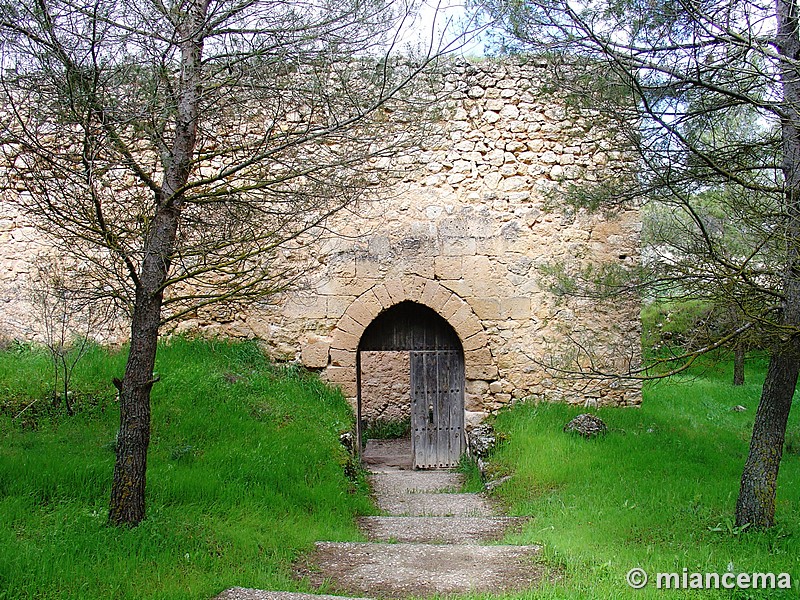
{"type": "Point", "coordinates": [586, 425]}
{"type": "Point", "coordinates": [481, 440]}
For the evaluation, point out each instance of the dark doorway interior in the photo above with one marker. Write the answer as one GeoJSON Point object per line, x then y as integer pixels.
{"type": "Point", "coordinates": [435, 377]}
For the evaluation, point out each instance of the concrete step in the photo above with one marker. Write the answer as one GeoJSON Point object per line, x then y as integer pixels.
{"type": "Point", "coordinates": [426, 494]}
{"type": "Point", "coordinates": [403, 570]}
{"type": "Point", "coordinates": [391, 455]}
{"type": "Point", "coordinates": [438, 530]}
{"type": "Point", "coordinates": [238, 593]}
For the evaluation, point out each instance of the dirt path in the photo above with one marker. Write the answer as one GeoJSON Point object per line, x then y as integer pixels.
{"type": "Point", "coordinates": [433, 540]}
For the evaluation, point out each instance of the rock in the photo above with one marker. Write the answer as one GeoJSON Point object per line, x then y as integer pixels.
{"type": "Point", "coordinates": [586, 425]}
{"type": "Point", "coordinates": [490, 486]}
{"type": "Point", "coordinates": [347, 439]}
{"type": "Point", "coordinates": [481, 440]}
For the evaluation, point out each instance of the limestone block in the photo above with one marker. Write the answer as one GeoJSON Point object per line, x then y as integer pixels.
{"type": "Point", "coordinates": [502, 398]}
{"type": "Point", "coordinates": [435, 296]}
{"type": "Point", "coordinates": [495, 104]}
{"type": "Point", "coordinates": [481, 356]}
{"type": "Point", "coordinates": [448, 267]}
{"type": "Point", "coordinates": [453, 304]}
{"type": "Point", "coordinates": [509, 111]}
{"type": "Point", "coordinates": [549, 157]}
{"type": "Point", "coordinates": [415, 286]}
{"type": "Point", "coordinates": [342, 358]}
{"type": "Point", "coordinates": [342, 265]}
{"type": "Point", "coordinates": [456, 178]}
{"type": "Point", "coordinates": [469, 326]}
{"type": "Point", "coordinates": [473, 402]}
{"type": "Point", "coordinates": [346, 286]}
{"type": "Point", "coordinates": [396, 291]}
{"type": "Point", "coordinates": [492, 179]}
{"type": "Point", "coordinates": [473, 418]}
{"type": "Point", "coordinates": [382, 295]}
{"type": "Point", "coordinates": [463, 319]}
{"type": "Point", "coordinates": [459, 287]}
{"type": "Point", "coordinates": [459, 247]}
{"type": "Point", "coordinates": [336, 306]}
{"type": "Point", "coordinates": [363, 311]}
{"type": "Point", "coordinates": [477, 386]}
{"type": "Point", "coordinates": [314, 354]}
{"type": "Point", "coordinates": [514, 183]}
{"type": "Point", "coordinates": [339, 374]}
{"type": "Point", "coordinates": [349, 390]}
{"type": "Point", "coordinates": [342, 340]}
{"type": "Point", "coordinates": [367, 268]}
{"type": "Point", "coordinates": [480, 371]}
{"type": "Point", "coordinates": [306, 307]}
{"type": "Point", "coordinates": [476, 341]}
{"type": "Point", "coordinates": [349, 325]}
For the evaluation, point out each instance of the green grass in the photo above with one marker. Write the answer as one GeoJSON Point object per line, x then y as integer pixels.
{"type": "Point", "coordinates": [245, 472]}
{"type": "Point", "coordinates": [657, 492]}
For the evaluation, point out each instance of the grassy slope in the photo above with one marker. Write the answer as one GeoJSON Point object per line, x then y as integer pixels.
{"type": "Point", "coordinates": [651, 492]}
{"type": "Point", "coordinates": [245, 472]}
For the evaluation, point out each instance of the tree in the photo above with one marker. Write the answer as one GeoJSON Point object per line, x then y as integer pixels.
{"type": "Point", "coordinates": [675, 74]}
{"type": "Point", "coordinates": [174, 149]}
{"type": "Point", "coordinates": [65, 321]}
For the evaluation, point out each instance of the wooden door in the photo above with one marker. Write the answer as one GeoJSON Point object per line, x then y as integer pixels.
{"type": "Point", "coordinates": [437, 408]}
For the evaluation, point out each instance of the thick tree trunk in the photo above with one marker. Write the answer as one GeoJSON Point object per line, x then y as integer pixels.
{"type": "Point", "coordinates": [738, 364]}
{"type": "Point", "coordinates": [756, 503]}
{"type": "Point", "coordinates": [128, 486]}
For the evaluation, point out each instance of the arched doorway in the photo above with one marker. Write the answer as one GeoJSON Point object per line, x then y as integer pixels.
{"type": "Point", "coordinates": [436, 376]}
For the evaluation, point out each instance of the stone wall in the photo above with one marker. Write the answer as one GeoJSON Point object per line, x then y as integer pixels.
{"type": "Point", "coordinates": [385, 386]}
{"type": "Point", "coordinates": [467, 233]}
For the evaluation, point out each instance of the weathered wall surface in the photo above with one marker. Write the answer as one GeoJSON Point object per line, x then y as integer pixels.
{"type": "Point", "coordinates": [385, 386]}
{"type": "Point", "coordinates": [466, 234]}
{"type": "Point", "coordinates": [20, 244]}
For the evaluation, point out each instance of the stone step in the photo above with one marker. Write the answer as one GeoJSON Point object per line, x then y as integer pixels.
{"type": "Point", "coordinates": [437, 530]}
{"type": "Point", "coordinates": [391, 455]}
{"type": "Point", "coordinates": [403, 570]}
{"type": "Point", "coordinates": [425, 504]}
{"type": "Point", "coordinates": [239, 593]}
{"type": "Point", "coordinates": [426, 494]}
{"type": "Point", "coordinates": [416, 481]}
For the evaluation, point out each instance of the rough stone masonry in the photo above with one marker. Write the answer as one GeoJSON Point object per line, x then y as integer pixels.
{"type": "Point", "coordinates": [466, 233]}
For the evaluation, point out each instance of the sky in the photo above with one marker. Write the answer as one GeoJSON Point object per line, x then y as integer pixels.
{"type": "Point", "coordinates": [446, 20]}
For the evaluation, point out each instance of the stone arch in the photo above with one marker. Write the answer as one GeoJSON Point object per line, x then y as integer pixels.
{"type": "Point", "coordinates": [478, 360]}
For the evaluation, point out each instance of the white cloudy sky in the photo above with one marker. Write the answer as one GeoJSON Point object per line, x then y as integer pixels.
{"type": "Point", "coordinates": [445, 21]}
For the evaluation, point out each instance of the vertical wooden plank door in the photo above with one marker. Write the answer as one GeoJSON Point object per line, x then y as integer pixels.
{"type": "Point", "coordinates": [437, 408]}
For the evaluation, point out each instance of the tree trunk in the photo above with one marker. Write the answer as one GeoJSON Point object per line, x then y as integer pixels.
{"type": "Point", "coordinates": [128, 487]}
{"type": "Point", "coordinates": [738, 364]}
{"type": "Point", "coordinates": [756, 503]}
